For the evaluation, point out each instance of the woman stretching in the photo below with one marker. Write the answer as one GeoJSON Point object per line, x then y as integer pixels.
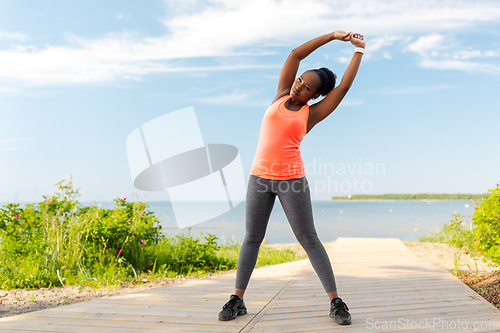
{"type": "Point", "coordinates": [278, 168]}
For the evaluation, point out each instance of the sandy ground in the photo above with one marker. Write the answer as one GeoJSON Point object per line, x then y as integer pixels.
{"type": "Point", "coordinates": [15, 302]}
{"type": "Point", "coordinates": [444, 255]}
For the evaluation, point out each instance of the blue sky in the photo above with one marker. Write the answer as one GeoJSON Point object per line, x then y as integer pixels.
{"type": "Point", "coordinates": [77, 78]}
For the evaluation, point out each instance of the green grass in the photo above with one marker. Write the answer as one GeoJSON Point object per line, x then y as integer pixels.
{"type": "Point", "coordinates": [181, 256]}
{"type": "Point", "coordinates": [267, 256]}
{"type": "Point", "coordinates": [458, 233]}
{"type": "Point", "coordinates": [435, 236]}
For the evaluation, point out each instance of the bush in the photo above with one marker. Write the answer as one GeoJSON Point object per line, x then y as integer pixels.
{"type": "Point", "coordinates": [487, 225]}
{"type": "Point", "coordinates": [481, 236]}
{"type": "Point", "coordinates": [58, 241]}
{"type": "Point", "coordinates": [460, 233]}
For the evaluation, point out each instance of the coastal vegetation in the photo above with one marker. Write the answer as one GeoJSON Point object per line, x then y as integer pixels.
{"type": "Point", "coordinates": [58, 242]}
{"type": "Point", "coordinates": [419, 196]}
{"type": "Point", "coordinates": [477, 234]}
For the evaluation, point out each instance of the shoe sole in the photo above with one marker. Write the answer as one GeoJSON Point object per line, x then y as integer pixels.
{"type": "Point", "coordinates": [348, 322]}
{"type": "Point", "coordinates": [239, 313]}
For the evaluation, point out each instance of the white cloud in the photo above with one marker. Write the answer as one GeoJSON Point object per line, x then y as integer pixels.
{"type": "Point", "coordinates": [8, 140]}
{"type": "Point", "coordinates": [345, 60]}
{"type": "Point", "coordinates": [444, 52]}
{"type": "Point", "coordinates": [5, 142]}
{"type": "Point", "coordinates": [428, 44]}
{"type": "Point", "coordinates": [251, 20]}
{"type": "Point", "coordinates": [226, 99]}
{"type": "Point", "coordinates": [9, 90]}
{"type": "Point", "coordinates": [385, 41]}
{"type": "Point", "coordinates": [375, 49]}
{"type": "Point", "coordinates": [101, 61]}
{"type": "Point", "coordinates": [469, 54]}
{"type": "Point", "coordinates": [351, 102]}
{"type": "Point", "coordinates": [220, 28]}
{"type": "Point", "coordinates": [13, 35]}
{"type": "Point", "coordinates": [410, 89]}
{"type": "Point", "coordinates": [9, 149]}
{"type": "Point", "coordinates": [120, 16]}
{"type": "Point", "coordinates": [235, 98]}
{"type": "Point", "coordinates": [491, 54]}
{"type": "Point", "coordinates": [466, 66]}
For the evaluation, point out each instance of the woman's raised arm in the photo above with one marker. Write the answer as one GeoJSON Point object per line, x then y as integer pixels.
{"type": "Point", "coordinates": [322, 109]}
{"type": "Point", "coordinates": [291, 65]}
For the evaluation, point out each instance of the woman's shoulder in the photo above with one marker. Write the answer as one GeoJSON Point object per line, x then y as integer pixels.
{"type": "Point", "coordinates": [281, 96]}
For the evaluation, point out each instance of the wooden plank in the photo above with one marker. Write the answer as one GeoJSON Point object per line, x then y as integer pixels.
{"type": "Point", "coordinates": [393, 308]}
{"type": "Point", "coordinates": [35, 327]}
{"type": "Point", "coordinates": [375, 302]}
{"type": "Point", "coordinates": [377, 292]}
{"type": "Point", "coordinates": [320, 311]}
{"type": "Point", "coordinates": [303, 288]}
{"type": "Point", "coordinates": [193, 318]}
{"type": "Point", "coordinates": [63, 323]}
{"type": "Point", "coordinates": [176, 314]}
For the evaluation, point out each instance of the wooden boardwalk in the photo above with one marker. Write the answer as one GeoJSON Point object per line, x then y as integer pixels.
{"type": "Point", "coordinates": [387, 288]}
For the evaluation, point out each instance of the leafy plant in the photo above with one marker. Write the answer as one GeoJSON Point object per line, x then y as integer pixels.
{"type": "Point", "coordinates": [456, 262]}
{"type": "Point", "coordinates": [460, 233]}
{"type": "Point", "coordinates": [487, 225]}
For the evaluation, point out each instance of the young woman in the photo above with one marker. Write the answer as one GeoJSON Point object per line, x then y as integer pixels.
{"type": "Point", "coordinates": [278, 168]}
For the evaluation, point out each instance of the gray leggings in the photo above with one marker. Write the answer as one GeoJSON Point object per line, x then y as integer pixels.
{"type": "Point", "coordinates": [295, 198]}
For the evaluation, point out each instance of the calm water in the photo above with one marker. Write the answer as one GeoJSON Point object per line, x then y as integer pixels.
{"type": "Point", "coordinates": [400, 219]}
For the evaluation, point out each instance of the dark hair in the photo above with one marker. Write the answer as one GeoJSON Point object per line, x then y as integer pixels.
{"type": "Point", "coordinates": [328, 79]}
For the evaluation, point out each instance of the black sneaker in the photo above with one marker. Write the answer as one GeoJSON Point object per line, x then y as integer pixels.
{"type": "Point", "coordinates": [233, 308]}
{"type": "Point", "coordinates": [339, 312]}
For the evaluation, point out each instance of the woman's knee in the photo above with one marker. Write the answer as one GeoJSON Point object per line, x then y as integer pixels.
{"type": "Point", "coordinates": [253, 239]}
{"type": "Point", "coordinates": [308, 240]}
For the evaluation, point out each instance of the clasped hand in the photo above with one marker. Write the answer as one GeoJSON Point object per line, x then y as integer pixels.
{"type": "Point", "coordinates": [356, 39]}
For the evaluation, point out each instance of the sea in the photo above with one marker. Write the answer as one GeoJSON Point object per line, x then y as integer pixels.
{"type": "Point", "coordinates": [406, 220]}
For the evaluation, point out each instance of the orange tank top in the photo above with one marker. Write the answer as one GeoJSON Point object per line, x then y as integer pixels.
{"type": "Point", "coordinates": [278, 155]}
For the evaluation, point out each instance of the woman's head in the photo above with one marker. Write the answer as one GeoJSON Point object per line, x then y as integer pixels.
{"type": "Point", "coordinates": [328, 79]}
{"type": "Point", "coordinates": [313, 83]}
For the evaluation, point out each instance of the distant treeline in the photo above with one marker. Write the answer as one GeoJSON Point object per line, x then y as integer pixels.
{"type": "Point", "coordinates": [420, 196]}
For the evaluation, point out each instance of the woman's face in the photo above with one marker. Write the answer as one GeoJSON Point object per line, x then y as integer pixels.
{"type": "Point", "coordinates": [305, 87]}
